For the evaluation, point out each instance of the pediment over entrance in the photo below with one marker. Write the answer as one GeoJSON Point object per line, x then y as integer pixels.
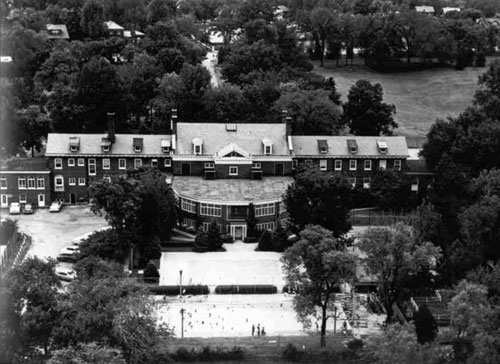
{"type": "Point", "coordinates": [232, 150]}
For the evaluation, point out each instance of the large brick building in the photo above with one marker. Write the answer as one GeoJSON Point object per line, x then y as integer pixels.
{"type": "Point", "coordinates": [25, 180]}
{"type": "Point", "coordinates": [217, 170]}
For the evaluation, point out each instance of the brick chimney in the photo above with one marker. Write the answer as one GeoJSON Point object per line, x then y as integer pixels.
{"type": "Point", "coordinates": [287, 120]}
{"type": "Point", "coordinates": [111, 127]}
{"type": "Point", "coordinates": [173, 121]}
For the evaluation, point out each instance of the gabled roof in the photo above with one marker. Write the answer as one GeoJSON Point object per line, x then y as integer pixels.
{"type": "Point", "coordinates": [90, 144]}
{"type": "Point", "coordinates": [232, 147]}
{"type": "Point", "coordinates": [424, 9]}
{"type": "Point", "coordinates": [111, 25]}
{"type": "Point", "coordinates": [338, 146]}
{"type": "Point", "coordinates": [133, 34]}
{"type": "Point", "coordinates": [247, 136]}
{"type": "Point", "coordinates": [57, 31]}
{"type": "Point", "coordinates": [448, 9]}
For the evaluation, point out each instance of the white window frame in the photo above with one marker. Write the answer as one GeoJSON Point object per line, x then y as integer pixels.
{"type": "Point", "coordinates": [31, 183]}
{"type": "Point", "coordinates": [106, 163]}
{"type": "Point", "coordinates": [197, 149]}
{"type": "Point", "coordinates": [137, 149]}
{"type": "Point", "coordinates": [71, 162]}
{"type": "Point", "coordinates": [209, 165]}
{"type": "Point", "coordinates": [81, 181]}
{"type": "Point", "coordinates": [414, 184]}
{"type": "Point", "coordinates": [205, 226]}
{"type": "Point", "coordinates": [73, 148]}
{"type": "Point", "coordinates": [264, 209]}
{"type": "Point", "coordinates": [154, 162]}
{"type": "Point", "coordinates": [189, 223]}
{"type": "Point", "coordinates": [210, 209]}
{"type": "Point", "coordinates": [105, 148]}
{"type": "Point", "coordinates": [4, 201]}
{"type": "Point", "coordinates": [282, 207]}
{"type": "Point", "coordinates": [256, 165]}
{"type": "Point", "coordinates": [58, 186]}
{"type": "Point", "coordinates": [188, 205]}
{"type": "Point", "coordinates": [397, 164]}
{"type": "Point", "coordinates": [58, 163]}
{"type": "Point", "coordinates": [382, 164]}
{"type": "Point", "coordinates": [366, 182]}
{"type": "Point", "coordinates": [353, 164]}
{"type": "Point", "coordinates": [21, 183]}
{"type": "Point", "coordinates": [265, 226]}
{"type": "Point", "coordinates": [23, 198]}
{"type": "Point", "coordinates": [40, 183]}
{"type": "Point", "coordinates": [72, 181]}
{"type": "Point", "coordinates": [368, 165]}
{"type": "Point", "coordinates": [233, 170]}
{"type": "Point", "coordinates": [323, 164]}
{"type": "Point", "coordinates": [92, 167]}
{"type": "Point", "coordinates": [167, 162]}
{"type": "Point", "coordinates": [3, 184]}
{"type": "Point", "coordinates": [137, 163]}
{"type": "Point", "coordinates": [268, 149]}
{"type": "Point", "coordinates": [338, 164]}
{"type": "Point", "coordinates": [122, 163]}
{"type": "Point", "coordinates": [81, 162]}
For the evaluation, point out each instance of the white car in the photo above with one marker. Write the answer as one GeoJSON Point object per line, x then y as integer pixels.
{"type": "Point", "coordinates": [65, 274]}
{"type": "Point", "coordinates": [15, 208]}
{"type": "Point", "coordinates": [55, 206]}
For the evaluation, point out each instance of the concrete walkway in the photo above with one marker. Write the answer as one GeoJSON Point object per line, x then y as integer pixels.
{"type": "Point", "coordinates": [209, 63]}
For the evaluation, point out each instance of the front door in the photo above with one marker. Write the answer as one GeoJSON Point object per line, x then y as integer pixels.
{"type": "Point", "coordinates": [279, 169]}
{"type": "Point", "coordinates": [41, 200]}
{"type": "Point", "coordinates": [186, 169]}
{"type": "Point", "coordinates": [239, 232]}
{"type": "Point", "coordinates": [72, 198]}
{"type": "Point", "coordinates": [4, 201]}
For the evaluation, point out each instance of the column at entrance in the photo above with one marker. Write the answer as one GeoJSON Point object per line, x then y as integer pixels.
{"type": "Point", "coordinates": [239, 231]}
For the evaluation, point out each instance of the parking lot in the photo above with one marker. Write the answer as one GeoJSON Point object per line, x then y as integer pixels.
{"type": "Point", "coordinates": [51, 232]}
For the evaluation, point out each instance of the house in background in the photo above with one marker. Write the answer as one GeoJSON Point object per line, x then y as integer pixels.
{"type": "Point", "coordinates": [25, 180]}
{"type": "Point", "coordinates": [113, 30]}
{"type": "Point", "coordinates": [57, 31]}
{"type": "Point", "coordinates": [425, 9]}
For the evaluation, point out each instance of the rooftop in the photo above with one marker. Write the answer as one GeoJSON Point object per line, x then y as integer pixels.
{"type": "Point", "coordinates": [111, 25]}
{"type": "Point", "coordinates": [57, 31]}
{"type": "Point", "coordinates": [217, 135]}
{"type": "Point", "coordinates": [24, 164]}
{"type": "Point", "coordinates": [58, 144]}
{"type": "Point", "coordinates": [231, 191]}
{"type": "Point", "coordinates": [338, 146]}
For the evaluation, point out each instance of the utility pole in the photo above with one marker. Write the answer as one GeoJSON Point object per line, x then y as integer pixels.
{"type": "Point", "coordinates": [180, 283]}
{"type": "Point", "coordinates": [182, 321]}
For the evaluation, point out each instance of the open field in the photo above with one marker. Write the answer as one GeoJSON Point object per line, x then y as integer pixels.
{"type": "Point", "coordinates": [420, 97]}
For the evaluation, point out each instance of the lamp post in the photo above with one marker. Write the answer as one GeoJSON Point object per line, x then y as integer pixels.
{"type": "Point", "coordinates": [180, 283]}
{"type": "Point", "coordinates": [182, 321]}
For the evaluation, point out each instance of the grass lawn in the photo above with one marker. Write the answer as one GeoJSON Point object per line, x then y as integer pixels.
{"type": "Point", "coordinates": [420, 97]}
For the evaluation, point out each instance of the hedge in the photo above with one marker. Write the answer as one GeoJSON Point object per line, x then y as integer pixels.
{"type": "Point", "coordinates": [207, 354]}
{"type": "Point", "coordinates": [174, 290]}
{"type": "Point", "coordinates": [246, 289]}
{"type": "Point", "coordinates": [286, 289]}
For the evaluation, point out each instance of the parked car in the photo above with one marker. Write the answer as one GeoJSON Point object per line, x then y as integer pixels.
{"type": "Point", "coordinates": [55, 206]}
{"type": "Point", "coordinates": [65, 274]}
{"type": "Point", "coordinates": [28, 209]}
{"type": "Point", "coordinates": [66, 257]}
{"type": "Point", "coordinates": [72, 249]}
{"type": "Point", "coordinates": [15, 208]}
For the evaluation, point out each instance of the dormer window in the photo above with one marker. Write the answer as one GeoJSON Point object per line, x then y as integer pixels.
{"type": "Point", "coordinates": [138, 144]}
{"type": "Point", "coordinates": [268, 146]}
{"type": "Point", "coordinates": [382, 146]}
{"type": "Point", "coordinates": [352, 146]}
{"type": "Point", "coordinates": [197, 146]}
{"type": "Point", "coordinates": [165, 146]}
{"type": "Point", "coordinates": [74, 144]}
{"type": "Point", "coordinates": [323, 146]}
{"type": "Point", "coordinates": [105, 145]}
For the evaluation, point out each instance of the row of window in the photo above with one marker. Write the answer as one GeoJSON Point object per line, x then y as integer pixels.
{"type": "Point", "coordinates": [23, 198]}
{"type": "Point", "coordinates": [353, 164]}
{"type": "Point", "coordinates": [207, 209]}
{"type": "Point", "coordinates": [266, 226]}
{"type": "Point", "coordinates": [23, 183]}
{"type": "Point", "coordinates": [106, 163]}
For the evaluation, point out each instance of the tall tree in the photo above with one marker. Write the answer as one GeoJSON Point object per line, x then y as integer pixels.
{"type": "Point", "coordinates": [316, 266]}
{"type": "Point", "coordinates": [425, 325]}
{"type": "Point", "coordinates": [33, 128]}
{"type": "Point", "coordinates": [393, 254]}
{"type": "Point", "coordinates": [92, 19]}
{"type": "Point", "coordinates": [320, 199]}
{"type": "Point", "coordinates": [366, 113]}
{"type": "Point", "coordinates": [161, 10]}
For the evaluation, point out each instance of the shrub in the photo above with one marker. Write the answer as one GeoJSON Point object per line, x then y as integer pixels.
{"type": "Point", "coordinates": [183, 354]}
{"type": "Point", "coordinates": [246, 289]}
{"type": "Point", "coordinates": [174, 290]}
{"type": "Point", "coordinates": [292, 353]}
{"type": "Point", "coordinates": [200, 242]}
{"type": "Point", "coordinates": [266, 241]}
{"type": "Point", "coordinates": [226, 239]}
{"type": "Point", "coordinates": [207, 354]}
{"type": "Point", "coordinates": [151, 274]}
{"type": "Point", "coordinates": [280, 239]}
{"type": "Point", "coordinates": [425, 325]}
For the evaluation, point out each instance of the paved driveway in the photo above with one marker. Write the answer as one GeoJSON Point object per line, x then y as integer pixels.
{"type": "Point", "coordinates": [53, 231]}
